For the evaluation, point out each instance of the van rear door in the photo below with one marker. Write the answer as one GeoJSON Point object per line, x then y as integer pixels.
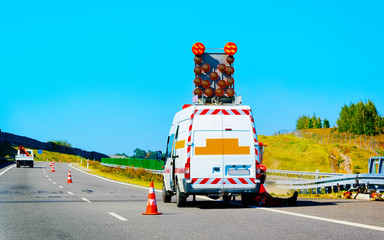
{"type": "Point", "coordinates": [207, 160]}
{"type": "Point", "coordinates": [238, 152]}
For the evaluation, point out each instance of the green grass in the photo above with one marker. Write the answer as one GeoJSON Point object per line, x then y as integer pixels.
{"type": "Point", "coordinates": [137, 176]}
{"type": "Point", "coordinates": [287, 152]}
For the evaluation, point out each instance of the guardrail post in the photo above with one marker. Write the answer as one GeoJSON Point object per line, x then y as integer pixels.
{"type": "Point", "coordinates": [87, 163]}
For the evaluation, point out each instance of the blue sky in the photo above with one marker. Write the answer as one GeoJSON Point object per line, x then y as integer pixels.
{"type": "Point", "coordinates": [110, 75]}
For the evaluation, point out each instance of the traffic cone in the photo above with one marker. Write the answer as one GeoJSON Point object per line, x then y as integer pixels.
{"type": "Point", "coordinates": [68, 161]}
{"type": "Point", "coordinates": [69, 177]}
{"type": "Point", "coordinates": [151, 204]}
{"type": "Point", "coordinates": [53, 168]}
{"type": "Point", "coordinates": [50, 164]}
{"type": "Point", "coordinates": [60, 161]}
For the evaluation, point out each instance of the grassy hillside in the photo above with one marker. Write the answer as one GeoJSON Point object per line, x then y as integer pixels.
{"type": "Point", "coordinates": [287, 152]}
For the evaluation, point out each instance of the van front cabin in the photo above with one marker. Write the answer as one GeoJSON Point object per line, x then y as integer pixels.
{"type": "Point", "coordinates": [213, 150]}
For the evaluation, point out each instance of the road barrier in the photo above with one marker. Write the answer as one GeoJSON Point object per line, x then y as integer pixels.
{"type": "Point", "coordinates": [150, 164]}
{"type": "Point", "coordinates": [331, 184]}
{"type": "Point", "coordinates": [300, 174]}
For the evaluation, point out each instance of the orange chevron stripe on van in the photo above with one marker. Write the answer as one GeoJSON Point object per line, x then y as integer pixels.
{"type": "Point", "coordinates": [219, 146]}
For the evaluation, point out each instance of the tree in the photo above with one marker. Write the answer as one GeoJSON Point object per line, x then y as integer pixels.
{"type": "Point", "coordinates": [150, 155]}
{"type": "Point", "coordinates": [139, 153]}
{"type": "Point", "coordinates": [326, 123]}
{"type": "Point", "coordinates": [314, 121]}
{"type": "Point", "coordinates": [360, 119]}
{"type": "Point", "coordinates": [318, 123]}
{"type": "Point", "coordinates": [302, 122]}
{"type": "Point", "coordinates": [64, 143]}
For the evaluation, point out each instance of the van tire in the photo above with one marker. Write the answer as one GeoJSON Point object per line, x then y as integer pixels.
{"type": "Point", "coordinates": [166, 195]}
{"type": "Point", "coordinates": [226, 198]}
{"type": "Point", "coordinates": [180, 197]}
{"type": "Point", "coordinates": [17, 165]}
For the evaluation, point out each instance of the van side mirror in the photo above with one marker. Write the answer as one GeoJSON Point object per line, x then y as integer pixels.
{"type": "Point", "coordinates": [159, 156]}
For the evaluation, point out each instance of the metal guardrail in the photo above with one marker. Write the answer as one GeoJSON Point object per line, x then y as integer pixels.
{"type": "Point", "coordinates": [346, 181]}
{"type": "Point", "coordinates": [300, 174]}
{"type": "Point", "coordinates": [323, 182]}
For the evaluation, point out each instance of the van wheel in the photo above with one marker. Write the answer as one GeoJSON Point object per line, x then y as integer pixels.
{"type": "Point", "coordinates": [17, 165]}
{"type": "Point", "coordinates": [166, 195]}
{"type": "Point", "coordinates": [226, 198]}
{"type": "Point", "coordinates": [180, 197]}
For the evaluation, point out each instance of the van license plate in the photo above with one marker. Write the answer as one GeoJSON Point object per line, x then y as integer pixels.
{"type": "Point", "coordinates": [238, 171]}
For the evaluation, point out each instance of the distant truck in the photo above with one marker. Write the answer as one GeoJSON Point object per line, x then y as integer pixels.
{"type": "Point", "coordinates": [24, 157]}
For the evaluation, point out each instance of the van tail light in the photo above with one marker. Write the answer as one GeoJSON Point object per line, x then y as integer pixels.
{"type": "Point", "coordinates": [187, 170]}
{"type": "Point", "coordinates": [261, 169]}
{"type": "Point", "coordinates": [258, 175]}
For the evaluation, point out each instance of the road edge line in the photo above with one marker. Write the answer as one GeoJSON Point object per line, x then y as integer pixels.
{"type": "Point", "coordinates": [6, 169]}
{"type": "Point", "coordinates": [361, 225]}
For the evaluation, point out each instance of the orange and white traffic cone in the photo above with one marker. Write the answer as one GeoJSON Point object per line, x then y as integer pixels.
{"type": "Point", "coordinates": [151, 204]}
{"type": "Point", "coordinates": [69, 177]}
{"type": "Point", "coordinates": [68, 161]}
{"type": "Point", "coordinates": [53, 168]}
{"type": "Point", "coordinates": [60, 161]}
{"type": "Point", "coordinates": [50, 164]}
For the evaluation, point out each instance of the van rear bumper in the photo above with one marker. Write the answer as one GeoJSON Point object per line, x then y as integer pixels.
{"type": "Point", "coordinates": [204, 191]}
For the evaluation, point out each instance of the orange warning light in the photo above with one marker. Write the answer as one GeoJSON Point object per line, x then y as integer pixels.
{"type": "Point", "coordinates": [198, 70]}
{"type": "Point", "coordinates": [198, 59]}
{"type": "Point", "coordinates": [230, 81]}
{"type": "Point", "coordinates": [198, 92]}
{"type": "Point", "coordinates": [230, 48]}
{"type": "Point", "coordinates": [206, 84]}
{"type": "Point", "coordinates": [198, 81]}
{"type": "Point", "coordinates": [229, 70]}
{"type": "Point", "coordinates": [208, 92]}
{"type": "Point", "coordinates": [206, 67]}
{"type": "Point", "coordinates": [221, 84]}
{"type": "Point", "coordinates": [230, 59]}
{"type": "Point", "coordinates": [221, 67]}
{"type": "Point", "coordinates": [214, 76]}
{"type": "Point", "coordinates": [230, 92]}
{"type": "Point", "coordinates": [198, 48]}
{"type": "Point", "coordinates": [219, 92]}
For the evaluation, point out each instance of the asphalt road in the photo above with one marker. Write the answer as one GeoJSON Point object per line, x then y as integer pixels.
{"type": "Point", "coordinates": [38, 204]}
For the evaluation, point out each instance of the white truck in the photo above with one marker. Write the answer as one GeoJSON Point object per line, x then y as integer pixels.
{"type": "Point", "coordinates": [213, 151]}
{"type": "Point", "coordinates": [24, 157]}
{"type": "Point", "coordinates": [212, 146]}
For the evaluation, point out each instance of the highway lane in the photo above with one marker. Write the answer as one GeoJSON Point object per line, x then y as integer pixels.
{"type": "Point", "coordinates": [38, 204]}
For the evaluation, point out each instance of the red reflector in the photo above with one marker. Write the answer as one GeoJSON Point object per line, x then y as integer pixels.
{"type": "Point", "coordinates": [258, 175]}
{"type": "Point", "coordinates": [228, 129]}
{"type": "Point", "coordinates": [187, 171]}
{"type": "Point", "coordinates": [263, 168]}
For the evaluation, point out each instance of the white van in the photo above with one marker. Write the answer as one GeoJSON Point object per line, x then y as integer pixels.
{"type": "Point", "coordinates": [212, 150]}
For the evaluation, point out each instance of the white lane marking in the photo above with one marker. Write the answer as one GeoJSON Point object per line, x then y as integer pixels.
{"type": "Point", "coordinates": [70, 193]}
{"type": "Point", "coordinates": [85, 200]}
{"type": "Point", "coordinates": [53, 182]}
{"type": "Point", "coordinates": [60, 187]}
{"type": "Point", "coordinates": [324, 219]}
{"type": "Point", "coordinates": [128, 184]}
{"type": "Point", "coordinates": [49, 179]}
{"type": "Point", "coordinates": [118, 216]}
{"type": "Point", "coordinates": [6, 170]}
